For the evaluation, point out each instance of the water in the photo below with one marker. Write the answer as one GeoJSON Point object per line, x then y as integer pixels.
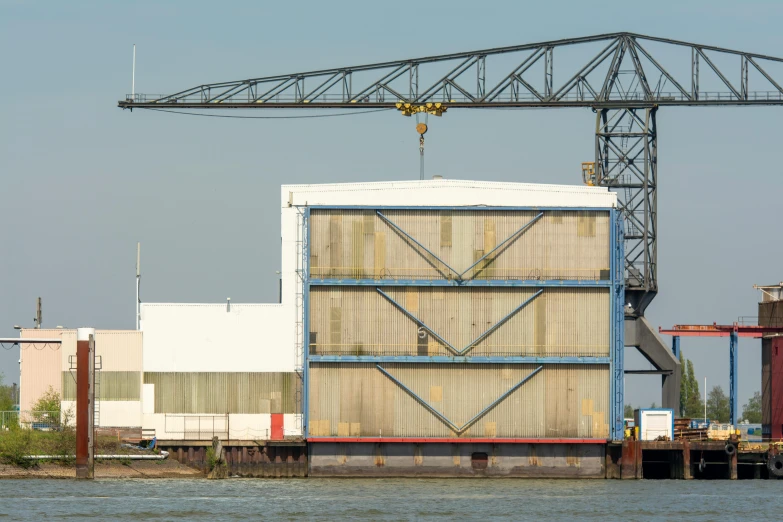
{"type": "Point", "coordinates": [390, 499]}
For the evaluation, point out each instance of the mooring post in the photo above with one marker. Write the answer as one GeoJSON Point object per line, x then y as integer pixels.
{"type": "Point", "coordinates": [85, 401]}
{"type": "Point", "coordinates": [687, 474]}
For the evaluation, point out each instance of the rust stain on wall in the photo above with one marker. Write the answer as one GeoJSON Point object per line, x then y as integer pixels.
{"type": "Point", "coordinates": [532, 456]}
{"type": "Point", "coordinates": [572, 457]}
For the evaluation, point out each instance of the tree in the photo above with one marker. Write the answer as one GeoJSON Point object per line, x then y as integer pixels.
{"type": "Point", "coordinates": [751, 411]}
{"type": "Point", "coordinates": [718, 405]}
{"type": "Point", "coordinates": [628, 411]}
{"type": "Point", "coordinates": [693, 401]}
{"type": "Point", "coordinates": [47, 407]}
{"type": "Point", "coordinates": [684, 386]}
{"type": "Point", "coordinates": [7, 401]}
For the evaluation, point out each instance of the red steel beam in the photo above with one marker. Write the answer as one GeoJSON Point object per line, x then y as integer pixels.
{"type": "Point", "coordinates": [443, 440]}
{"type": "Point", "coordinates": [721, 330]}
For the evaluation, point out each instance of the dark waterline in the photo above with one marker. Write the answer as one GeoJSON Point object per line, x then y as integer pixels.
{"type": "Point", "coordinates": [390, 499]}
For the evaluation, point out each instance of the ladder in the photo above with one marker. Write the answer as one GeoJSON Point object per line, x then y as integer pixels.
{"type": "Point", "coordinates": [299, 308]}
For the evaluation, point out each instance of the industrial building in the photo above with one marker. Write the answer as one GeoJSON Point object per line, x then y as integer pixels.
{"type": "Point", "coordinates": [455, 323]}
{"type": "Point", "coordinates": [433, 327]}
{"type": "Point", "coordinates": [771, 315]}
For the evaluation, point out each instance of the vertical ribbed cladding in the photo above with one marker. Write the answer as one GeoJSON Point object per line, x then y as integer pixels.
{"type": "Point", "coordinates": [114, 386]}
{"type": "Point", "coordinates": [41, 364]}
{"type": "Point", "coordinates": [567, 244]}
{"type": "Point", "coordinates": [120, 350]}
{"type": "Point", "coordinates": [224, 392]}
{"type": "Point", "coordinates": [119, 360]}
{"type": "Point", "coordinates": [361, 321]}
{"type": "Point", "coordinates": [358, 400]}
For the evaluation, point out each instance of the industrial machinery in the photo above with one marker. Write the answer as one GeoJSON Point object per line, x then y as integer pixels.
{"type": "Point", "coordinates": [619, 76]}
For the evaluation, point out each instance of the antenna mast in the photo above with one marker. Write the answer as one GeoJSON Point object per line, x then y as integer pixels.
{"type": "Point", "coordinates": [133, 76]}
{"type": "Point", "coordinates": [138, 285]}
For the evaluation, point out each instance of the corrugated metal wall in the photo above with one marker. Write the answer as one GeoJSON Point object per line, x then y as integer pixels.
{"type": "Point", "coordinates": [41, 364]}
{"type": "Point", "coordinates": [112, 386]}
{"type": "Point", "coordinates": [414, 319]}
{"type": "Point", "coordinates": [355, 320]}
{"type": "Point", "coordinates": [224, 392]}
{"type": "Point", "coordinates": [561, 401]}
{"type": "Point", "coordinates": [120, 353]}
{"type": "Point", "coordinates": [360, 244]}
{"type": "Point", "coordinates": [117, 350]}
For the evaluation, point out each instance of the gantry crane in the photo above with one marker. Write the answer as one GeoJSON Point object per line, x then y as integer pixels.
{"type": "Point", "coordinates": [620, 76]}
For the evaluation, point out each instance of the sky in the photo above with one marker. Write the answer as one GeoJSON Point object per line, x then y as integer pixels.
{"type": "Point", "coordinates": [83, 181]}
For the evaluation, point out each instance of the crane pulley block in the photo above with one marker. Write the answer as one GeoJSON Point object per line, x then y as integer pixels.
{"type": "Point", "coordinates": [409, 109]}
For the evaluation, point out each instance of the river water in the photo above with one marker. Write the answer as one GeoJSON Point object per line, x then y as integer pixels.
{"type": "Point", "coordinates": [390, 499]}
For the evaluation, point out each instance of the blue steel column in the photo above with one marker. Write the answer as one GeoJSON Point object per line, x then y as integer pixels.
{"type": "Point", "coordinates": [618, 324]}
{"type": "Point", "coordinates": [734, 404]}
{"type": "Point", "coordinates": [676, 346]}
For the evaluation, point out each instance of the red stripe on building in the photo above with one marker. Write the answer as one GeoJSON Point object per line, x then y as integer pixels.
{"type": "Point", "coordinates": [418, 440]}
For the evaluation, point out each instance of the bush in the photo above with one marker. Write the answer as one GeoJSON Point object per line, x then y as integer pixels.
{"type": "Point", "coordinates": [15, 446]}
{"type": "Point", "coordinates": [210, 459]}
{"type": "Point", "coordinates": [47, 408]}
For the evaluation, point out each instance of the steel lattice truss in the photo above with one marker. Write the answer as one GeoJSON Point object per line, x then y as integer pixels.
{"type": "Point", "coordinates": [621, 76]}
{"type": "Point", "coordinates": [622, 73]}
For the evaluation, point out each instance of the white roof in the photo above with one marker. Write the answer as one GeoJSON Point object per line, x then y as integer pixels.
{"type": "Point", "coordinates": [448, 192]}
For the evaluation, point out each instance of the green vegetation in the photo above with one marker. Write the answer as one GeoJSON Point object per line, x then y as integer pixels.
{"type": "Point", "coordinates": [14, 446]}
{"type": "Point", "coordinates": [718, 405]}
{"type": "Point", "coordinates": [47, 408]}
{"type": "Point", "coordinates": [691, 405]}
{"type": "Point", "coordinates": [751, 411]}
{"type": "Point", "coordinates": [628, 411]}
{"type": "Point", "coordinates": [210, 459]}
{"type": "Point", "coordinates": [7, 402]}
{"type": "Point", "coordinates": [18, 442]}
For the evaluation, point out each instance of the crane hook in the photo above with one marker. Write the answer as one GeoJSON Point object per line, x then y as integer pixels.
{"type": "Point", "coordinates": [421, 128]}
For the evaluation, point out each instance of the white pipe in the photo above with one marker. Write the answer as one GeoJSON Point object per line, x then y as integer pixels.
{"type": "Point", "coordinates": [163, 455]}
{"type": "Point", "coordinates": [133, 80]}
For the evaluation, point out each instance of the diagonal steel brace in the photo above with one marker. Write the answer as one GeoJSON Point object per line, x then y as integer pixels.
{"type": "Point", "coordinates": [458, 429]}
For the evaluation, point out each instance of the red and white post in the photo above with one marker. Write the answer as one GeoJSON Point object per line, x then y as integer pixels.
{"type": "Point", "coordinates": [85, 402]}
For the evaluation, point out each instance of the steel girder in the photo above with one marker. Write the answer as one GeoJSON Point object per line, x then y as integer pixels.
{"type": "Point", "coordinates": [521, 76]}
{"type": "Point", "coordinates": [626, 159]}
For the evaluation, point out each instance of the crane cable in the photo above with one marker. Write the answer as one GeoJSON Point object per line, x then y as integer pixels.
{"type": "Point", "coordinates": [421, 128]}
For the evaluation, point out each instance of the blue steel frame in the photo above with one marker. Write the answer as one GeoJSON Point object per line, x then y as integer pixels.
{"type": "Point", "coordinates": [733, 373]}
{"type": "Point", "coordinates": [616, 283]}
{"type": "Point", "coordinates": [617, 364]}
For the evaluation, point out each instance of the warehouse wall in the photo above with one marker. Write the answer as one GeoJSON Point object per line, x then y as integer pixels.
{"type": "Point", "coordinates": [118, 353]}
{"type": "Point", "coordinates": [358, 400]}
{"type": "Point", "coordinates": [361, 244]}
{"type": "Point", "coordinates": [219, 370]}
{"type": "Point", "coordinates": [434, 303]}
{"type": "Point", "coordinates": [355, 320]}
{"type": "Point", "coordinates": [41, 365]}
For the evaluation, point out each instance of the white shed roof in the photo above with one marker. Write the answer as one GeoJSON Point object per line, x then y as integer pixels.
{"type": "Point", "coordinates": [448, 192]}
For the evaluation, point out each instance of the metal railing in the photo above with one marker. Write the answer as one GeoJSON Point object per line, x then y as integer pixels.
{"type": "Point", "coordinates": [35, 420]}
{"type": "Point", "coordinates": [196, 427]}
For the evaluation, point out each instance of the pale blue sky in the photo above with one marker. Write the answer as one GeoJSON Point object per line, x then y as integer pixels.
{"type": "Point", "coordinates": [82, 180]}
